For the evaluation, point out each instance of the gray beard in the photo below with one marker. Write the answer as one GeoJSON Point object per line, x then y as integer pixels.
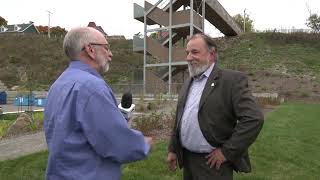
{"type": "Point", "coordinates": [104, 65]}
{"type": "Point", "coordinates": [197, 70]}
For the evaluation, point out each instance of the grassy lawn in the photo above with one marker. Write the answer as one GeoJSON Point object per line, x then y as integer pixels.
{"type": "Point", "coordinates": [287, 149]}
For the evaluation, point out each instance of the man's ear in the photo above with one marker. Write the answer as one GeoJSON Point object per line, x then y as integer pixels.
{"type": "Point", "coordinates": [212, 53]}
{"type": "Point", "coordinates": [91, 52]}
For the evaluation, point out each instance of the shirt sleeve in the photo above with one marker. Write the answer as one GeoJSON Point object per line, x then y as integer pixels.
{"type": "Point", "coordinates": [107, 131]}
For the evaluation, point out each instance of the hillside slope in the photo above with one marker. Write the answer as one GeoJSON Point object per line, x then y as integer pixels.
{"type": "Point", "coordinates": [37, 61]}
{"type": "Point", "coordinates": [288, 64]}
{"type": "Point", "coordinates": [275, 62]}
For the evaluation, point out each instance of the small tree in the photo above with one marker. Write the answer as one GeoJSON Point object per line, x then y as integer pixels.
{"type": "Point", "coordinates": [43, 29]}
{"type": "Point", "coordinates": [3, 21]}
{"type": "Point", "coordinates": [313, 22]}
{"type": "Point", "coordinates": [239, 20]}
{"type": "Point", "coordinates": [57, 30]}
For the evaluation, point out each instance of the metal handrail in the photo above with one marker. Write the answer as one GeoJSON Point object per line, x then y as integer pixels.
{"type": "Point", "coordinates": [153, 7]}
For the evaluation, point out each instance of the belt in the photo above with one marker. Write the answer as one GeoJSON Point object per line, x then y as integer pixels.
{"type": "Point", "coordinates": [194, 153]}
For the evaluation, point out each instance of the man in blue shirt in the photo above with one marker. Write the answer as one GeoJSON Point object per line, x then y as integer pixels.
{"type": "Point", "coordinates": [87, 136]}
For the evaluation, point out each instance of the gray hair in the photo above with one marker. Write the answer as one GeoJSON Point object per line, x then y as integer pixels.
{"type": "Point", "coordinates": [207, 39]}
{"type": "Point", "coordinates": [211, 45]}
{"type": "Point", "coordinates": [76, 39]}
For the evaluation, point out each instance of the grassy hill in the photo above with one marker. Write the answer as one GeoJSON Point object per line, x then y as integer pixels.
{"type": "Point", "coordinates": [292, 54]}
{"type": "Point", "coordinates": [36, 60]}
{"type": "Point", "coordinates": [275, 62]}
{"type": "Point", "coordinates": [286, 63]}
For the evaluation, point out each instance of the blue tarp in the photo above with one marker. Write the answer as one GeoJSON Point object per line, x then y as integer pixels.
{"type": "Point", "coordinates": [40, 102]}
{"type": "Point", "coordinates": [3, 97]}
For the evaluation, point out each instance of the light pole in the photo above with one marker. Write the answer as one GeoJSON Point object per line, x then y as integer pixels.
{"type": "Point", "coordinates": [49, 13]}
{"type": "Point", "coordinates": [244, 20]}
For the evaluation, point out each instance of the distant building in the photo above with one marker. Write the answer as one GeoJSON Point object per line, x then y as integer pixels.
{"type": "Point", "coordinates": [99, 28]}
{"type": "Point", "coordinates": [19, 28]}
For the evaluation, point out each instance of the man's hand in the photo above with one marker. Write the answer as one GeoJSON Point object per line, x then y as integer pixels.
{"type": "Point", "coordinates": [148, 140]}
{"type": "Point", "coordinates": [216, 158]}
{"type": "Point", "coordinates": [172, 161]}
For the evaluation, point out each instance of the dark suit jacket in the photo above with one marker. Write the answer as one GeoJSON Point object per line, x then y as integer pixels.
{"type": "Point", "coordinates": [228, 117]}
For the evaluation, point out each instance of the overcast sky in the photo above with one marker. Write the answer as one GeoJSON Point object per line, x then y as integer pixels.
{"type": "Point", "coordinates": [116, 16]}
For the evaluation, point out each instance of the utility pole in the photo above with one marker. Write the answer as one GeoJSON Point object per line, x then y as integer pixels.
{"type": "Point", "coordinates": [49, 13]}
{"type": "Point", "coordinates": [244, 20]}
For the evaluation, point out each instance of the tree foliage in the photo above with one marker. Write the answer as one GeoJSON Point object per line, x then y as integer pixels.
{"type": "Point", "coordinates": [3, 21]}
{"type": "Point", "coordinates": [57, 30]}
{"type": "Point", "coordinates": [248, 22]}
{"type": "Point", "coordinates": [313, 22]}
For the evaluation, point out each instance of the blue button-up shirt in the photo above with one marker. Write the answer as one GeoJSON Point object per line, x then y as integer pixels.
{"type": "Point", "coordinates": [87, 136]}
{"type": "Point", "coordinates": [191, 135]}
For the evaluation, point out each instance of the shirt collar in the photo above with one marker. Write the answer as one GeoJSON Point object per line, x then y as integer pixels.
{"type": "Point", "coordinates": [77, 64]}
{"type": "Point", "coordinates": [208, 71]}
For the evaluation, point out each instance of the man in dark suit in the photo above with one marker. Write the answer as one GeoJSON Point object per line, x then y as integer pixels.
{"type": "Point", "coordinates": [217, 118]}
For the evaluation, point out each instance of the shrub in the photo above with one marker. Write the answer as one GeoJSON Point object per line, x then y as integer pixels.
{"type": "Point", "coordinates": [147, 123]}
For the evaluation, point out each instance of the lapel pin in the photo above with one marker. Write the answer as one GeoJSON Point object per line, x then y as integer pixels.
{"type": "Point", "coordinates": [212, 84]}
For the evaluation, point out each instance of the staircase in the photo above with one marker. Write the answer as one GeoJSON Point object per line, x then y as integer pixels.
{"type": "Point", "coordinates": [186, 18]}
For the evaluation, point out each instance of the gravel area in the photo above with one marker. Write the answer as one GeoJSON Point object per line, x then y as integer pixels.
{"type": "Point", "coordinates": [23, 145]}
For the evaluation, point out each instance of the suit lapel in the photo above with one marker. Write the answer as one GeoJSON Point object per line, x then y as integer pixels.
{"type": "Point", "coordinates": [210, 85]}
{"type": "Point", "coordinates": [182, 99]}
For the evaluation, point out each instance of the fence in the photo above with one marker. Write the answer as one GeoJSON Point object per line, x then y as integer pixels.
{"type": "Point", "coordinates": [150, 89]}
{"type": "Point", "coordinates": [287, 31]}
{"type": "Point", "coordinates": [32, 35]}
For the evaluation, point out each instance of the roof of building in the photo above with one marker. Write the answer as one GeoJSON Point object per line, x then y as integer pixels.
{"type": "Point", "coordinates": [16, 27]}
{"type": "Point", "coordinates": [99, 28]}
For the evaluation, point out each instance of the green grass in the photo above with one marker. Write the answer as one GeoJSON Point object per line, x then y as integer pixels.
{"type": "Point", "coordinates": [4, 125]}
{"type": "Point", "coordinates": [287, 149]}
{"type": "Point", "coordinates": [7, 119]}
{"type": "Point", "coordinates": [154, 167]}
{"type": "Point", "coordinates": [24, 168]}
{"type": "Point", "coordinates": [33, 167]}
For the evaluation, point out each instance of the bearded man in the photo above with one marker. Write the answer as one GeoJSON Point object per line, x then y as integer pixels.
{"type": "Point", "coordinates": [217, 118]}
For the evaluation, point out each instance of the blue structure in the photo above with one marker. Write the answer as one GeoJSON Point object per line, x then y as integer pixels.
{"type": "Point", "coordinates": [3, 97]}
{"type": "Point", "coordinates": [40, 102]}
{"type": "Point", "coordinates": [24, 100]}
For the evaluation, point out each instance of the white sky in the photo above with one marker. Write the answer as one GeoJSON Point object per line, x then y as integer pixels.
{"type": "Point", "coordinates": [116, 16]}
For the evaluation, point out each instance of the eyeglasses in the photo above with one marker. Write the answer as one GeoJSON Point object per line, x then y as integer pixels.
{"type": "Point", "coordinates": [105, 46]}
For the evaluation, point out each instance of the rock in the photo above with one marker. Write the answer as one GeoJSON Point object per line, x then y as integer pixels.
{"type": "Point", "coordinates": [20, 126]}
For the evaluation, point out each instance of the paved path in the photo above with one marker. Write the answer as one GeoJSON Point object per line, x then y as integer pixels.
{"type": "Point", "coordinates": [20, 146]}
{"type": "Point", "coordinates": [24, 145]}
{"type": "Point", "coordinates": [10, 108]}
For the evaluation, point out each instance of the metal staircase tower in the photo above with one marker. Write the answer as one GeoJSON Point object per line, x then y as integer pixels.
{"type": "Point", "coordinates": [178, 19]}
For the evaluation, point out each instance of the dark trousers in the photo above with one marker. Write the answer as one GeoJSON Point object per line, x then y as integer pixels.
{"type": "Point", "coordinates": [195, 168]}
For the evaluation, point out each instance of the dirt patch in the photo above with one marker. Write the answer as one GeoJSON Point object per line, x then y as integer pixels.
{"type": "Point", "coordinates": [20, 126]}
{"type": "Point", "coordinates": [302, 88]}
